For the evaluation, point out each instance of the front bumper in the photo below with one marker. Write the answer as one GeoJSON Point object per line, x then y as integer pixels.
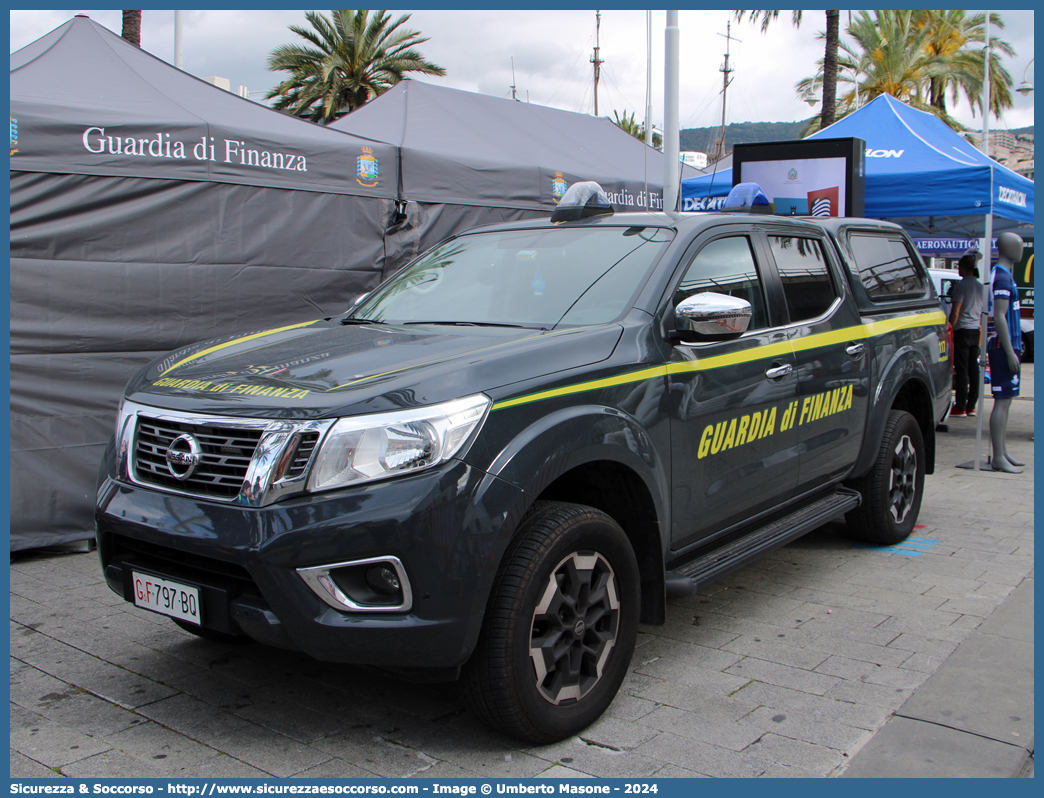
{"type": "Point", "coordinates": [448, 527]}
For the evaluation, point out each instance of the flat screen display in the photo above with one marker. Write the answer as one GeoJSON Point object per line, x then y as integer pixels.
{"type": "Point", "coordinates": [806, 178]}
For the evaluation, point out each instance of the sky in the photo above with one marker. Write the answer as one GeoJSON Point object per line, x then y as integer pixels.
{"type": "Point", "coordinates": [550, 52]}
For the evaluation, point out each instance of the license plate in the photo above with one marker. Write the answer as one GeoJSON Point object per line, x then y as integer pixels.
{"type": "Point", "coordinates": [169, 598]}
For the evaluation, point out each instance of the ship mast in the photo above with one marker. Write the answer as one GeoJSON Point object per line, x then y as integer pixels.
{"type": "Point", "coordinates": [596, 60]}
{"type": "Point", "coordinates": [725, 70]}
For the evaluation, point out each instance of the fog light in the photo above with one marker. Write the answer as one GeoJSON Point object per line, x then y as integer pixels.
{"type": "Point", "coordinates": [378, 584]}
{"type": "Point", "coordinates": [383, 579]}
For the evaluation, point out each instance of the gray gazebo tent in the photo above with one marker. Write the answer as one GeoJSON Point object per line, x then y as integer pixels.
{"type": "Point", "coordinates": [150, 210]}
{"type": "Point", "coordinates": [467, 159]}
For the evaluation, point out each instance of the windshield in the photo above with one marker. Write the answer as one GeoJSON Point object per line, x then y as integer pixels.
{"type": "Point", "coordinates": [531, 278]}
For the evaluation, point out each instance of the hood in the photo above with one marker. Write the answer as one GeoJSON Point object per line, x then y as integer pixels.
{"type": "Point", "coordinates": [322, 369]}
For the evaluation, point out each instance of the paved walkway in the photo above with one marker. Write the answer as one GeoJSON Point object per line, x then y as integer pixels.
{"type": "Point", "coordinates": [824, 658]}
{"type": "Point", "coordinates": [973, 718]}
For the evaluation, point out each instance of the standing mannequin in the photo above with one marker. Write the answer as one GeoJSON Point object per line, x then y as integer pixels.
{"type": "Point", "coordinates": [1004, 348]}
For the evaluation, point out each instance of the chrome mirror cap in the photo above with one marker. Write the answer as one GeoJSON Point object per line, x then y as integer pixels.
{"type": "Point", "coordinates": [713, 314]}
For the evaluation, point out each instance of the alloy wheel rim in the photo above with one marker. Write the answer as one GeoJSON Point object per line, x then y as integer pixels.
{"type": "Point", "coordinates": [574, 627]}
{"type": "Point", "coordinates": [903, 489]}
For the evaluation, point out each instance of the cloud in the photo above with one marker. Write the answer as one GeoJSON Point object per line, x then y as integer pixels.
{"type": "Point", "coordinates": [551, 51]}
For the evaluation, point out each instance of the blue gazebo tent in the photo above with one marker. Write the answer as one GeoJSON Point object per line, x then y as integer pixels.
{"type": "Point", "coordinates": [919, 173]}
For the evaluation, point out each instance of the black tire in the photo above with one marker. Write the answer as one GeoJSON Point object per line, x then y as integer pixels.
{"type": "Point", "coordinates": [212, 634]}
{"type": "Point", "coordinates": [544, 583]}
{"type": "Point", "coordinates": [893, 488]}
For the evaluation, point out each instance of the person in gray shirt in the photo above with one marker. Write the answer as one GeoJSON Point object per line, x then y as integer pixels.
{"type": "Point", "coordinates": [966, 319]}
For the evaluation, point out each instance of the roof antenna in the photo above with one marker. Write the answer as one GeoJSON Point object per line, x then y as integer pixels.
{"type": "Point", "coordinates": [513, 96]}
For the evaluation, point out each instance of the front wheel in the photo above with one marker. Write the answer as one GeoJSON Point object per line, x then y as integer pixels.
{"type": "Point", "coordinates": [560, 626]}
{"type": "Point", "coordinates": [893, 488]}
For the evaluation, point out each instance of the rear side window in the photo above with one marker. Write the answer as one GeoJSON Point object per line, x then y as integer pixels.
{"type": "Point", "coordinates": [803, 271]}
{"type": "Point", "coordinates": [887, 268]}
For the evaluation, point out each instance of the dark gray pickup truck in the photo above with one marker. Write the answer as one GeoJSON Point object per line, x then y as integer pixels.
{"type": "Point", "coordinates": [512, 452]}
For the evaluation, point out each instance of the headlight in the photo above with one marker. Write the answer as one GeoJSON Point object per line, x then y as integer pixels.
{"type": "Point", "coordinates": [367, 448]}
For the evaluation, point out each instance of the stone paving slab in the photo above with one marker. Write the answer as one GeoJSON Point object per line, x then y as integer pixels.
{"type": "Point", "coordinates": [924, 750]}
{"type": "Point", "coordinates": [792, 667]}
{"type": "Point", "coordinates": [954, 696]}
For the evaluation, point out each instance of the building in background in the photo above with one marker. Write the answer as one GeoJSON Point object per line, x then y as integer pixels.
{"type": "Point", "coordinates": [226, 84]}
{"type": "Point", "coordinates": [1014, 150]}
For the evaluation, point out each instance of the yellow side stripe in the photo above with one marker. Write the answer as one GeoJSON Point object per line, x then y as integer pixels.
{"type": "Point", "coordinates": [860, 332]}
{"type": "Point", "coordinates": [227, 344]}
{"type": "Point", "coordinates": [594, 385]}
{"type": "Point", "coordinates": [906, 322]}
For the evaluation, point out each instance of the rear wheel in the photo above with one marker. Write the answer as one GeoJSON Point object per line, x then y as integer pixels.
{"type": "Point", "coordinates": [560, 627]}
{"type": "Point", "coordinates": [893, 488]}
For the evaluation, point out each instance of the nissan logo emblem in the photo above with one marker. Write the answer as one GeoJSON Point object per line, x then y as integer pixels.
{"type": "Point", "coordinates": [183, 456]}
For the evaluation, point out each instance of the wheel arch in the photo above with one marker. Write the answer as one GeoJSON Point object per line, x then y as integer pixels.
{"type": "Point", "coordinates": [904, 386]}
{"type": "Point", "coordinates": [617, 491]}
{"type": "Point", "coordinates": [606, 459]}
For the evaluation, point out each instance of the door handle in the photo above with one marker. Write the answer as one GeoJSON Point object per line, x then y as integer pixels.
{"type": "Point", "coordinates": [778, 372]}
{"type": "Point", "coordinates": [856, 350]}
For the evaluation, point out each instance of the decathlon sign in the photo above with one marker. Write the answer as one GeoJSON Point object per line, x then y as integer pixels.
{"type": "Point", "coordinates": [703, 203]}
{"type": "Point", "coordinates": [884, 153]}
{"type": "Point", "coordinates": [1010, 196]}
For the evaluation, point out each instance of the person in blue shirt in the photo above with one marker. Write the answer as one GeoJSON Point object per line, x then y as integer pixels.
{"type": "Point", "coordinates": [1004, 348]}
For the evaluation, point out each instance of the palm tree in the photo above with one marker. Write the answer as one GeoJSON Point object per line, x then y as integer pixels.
{"type": "Point", "coordinates": [949, 34]}
{"type": "Point", "coordinates": [355, 57]}
{"type": "Point", "coordinates": [830, 55]}
{"type": "Point", "coordinates": [132, 27]}
{"type": "Point", "coordinates": [628, 124]}
{"type": "Point", "coordinates": [897, 53]}
{"type": "Point", "coordinates": [886, 54]}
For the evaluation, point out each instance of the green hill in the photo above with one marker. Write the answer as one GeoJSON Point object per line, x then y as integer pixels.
{"type": "Point", "coordinates": [701, 139]}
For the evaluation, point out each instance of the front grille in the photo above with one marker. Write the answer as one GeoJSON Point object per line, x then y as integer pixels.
{"type": "Point", "coordinates": [302, 454]}
{"type": "Point", "coordinates": [225, 456]}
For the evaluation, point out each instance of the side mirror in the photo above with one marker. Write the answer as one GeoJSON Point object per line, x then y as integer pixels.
{"type": "Point", "coordinates": [357, 300]}
{"type": "Point", "coordinates": [711, 315]}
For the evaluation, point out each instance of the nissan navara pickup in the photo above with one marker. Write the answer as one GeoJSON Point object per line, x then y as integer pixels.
{"type": "Point", "coordinates": [499, 462]}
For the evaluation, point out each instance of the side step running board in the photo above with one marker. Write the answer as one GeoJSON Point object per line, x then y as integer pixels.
{"type": "Point", "coordinates": [685, 579]}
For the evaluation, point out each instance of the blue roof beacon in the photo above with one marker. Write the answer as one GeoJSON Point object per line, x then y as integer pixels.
{"type": "Point", "coordinates": [582, 201]}
{"type": "Point", "coordinates": [747, 198]}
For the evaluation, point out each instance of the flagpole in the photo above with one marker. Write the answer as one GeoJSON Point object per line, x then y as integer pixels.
{"type": "Point", "coordinates": [670, 114]}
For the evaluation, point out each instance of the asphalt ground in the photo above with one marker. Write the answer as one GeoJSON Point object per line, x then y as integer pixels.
{"type": "Point", "coordinates": [824, 658]}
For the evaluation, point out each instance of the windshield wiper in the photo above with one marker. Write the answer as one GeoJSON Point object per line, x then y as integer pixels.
{"type": "Point", "coordinates": [475, 324]}
{"type": "Point", "coordinates": [351, 320]}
